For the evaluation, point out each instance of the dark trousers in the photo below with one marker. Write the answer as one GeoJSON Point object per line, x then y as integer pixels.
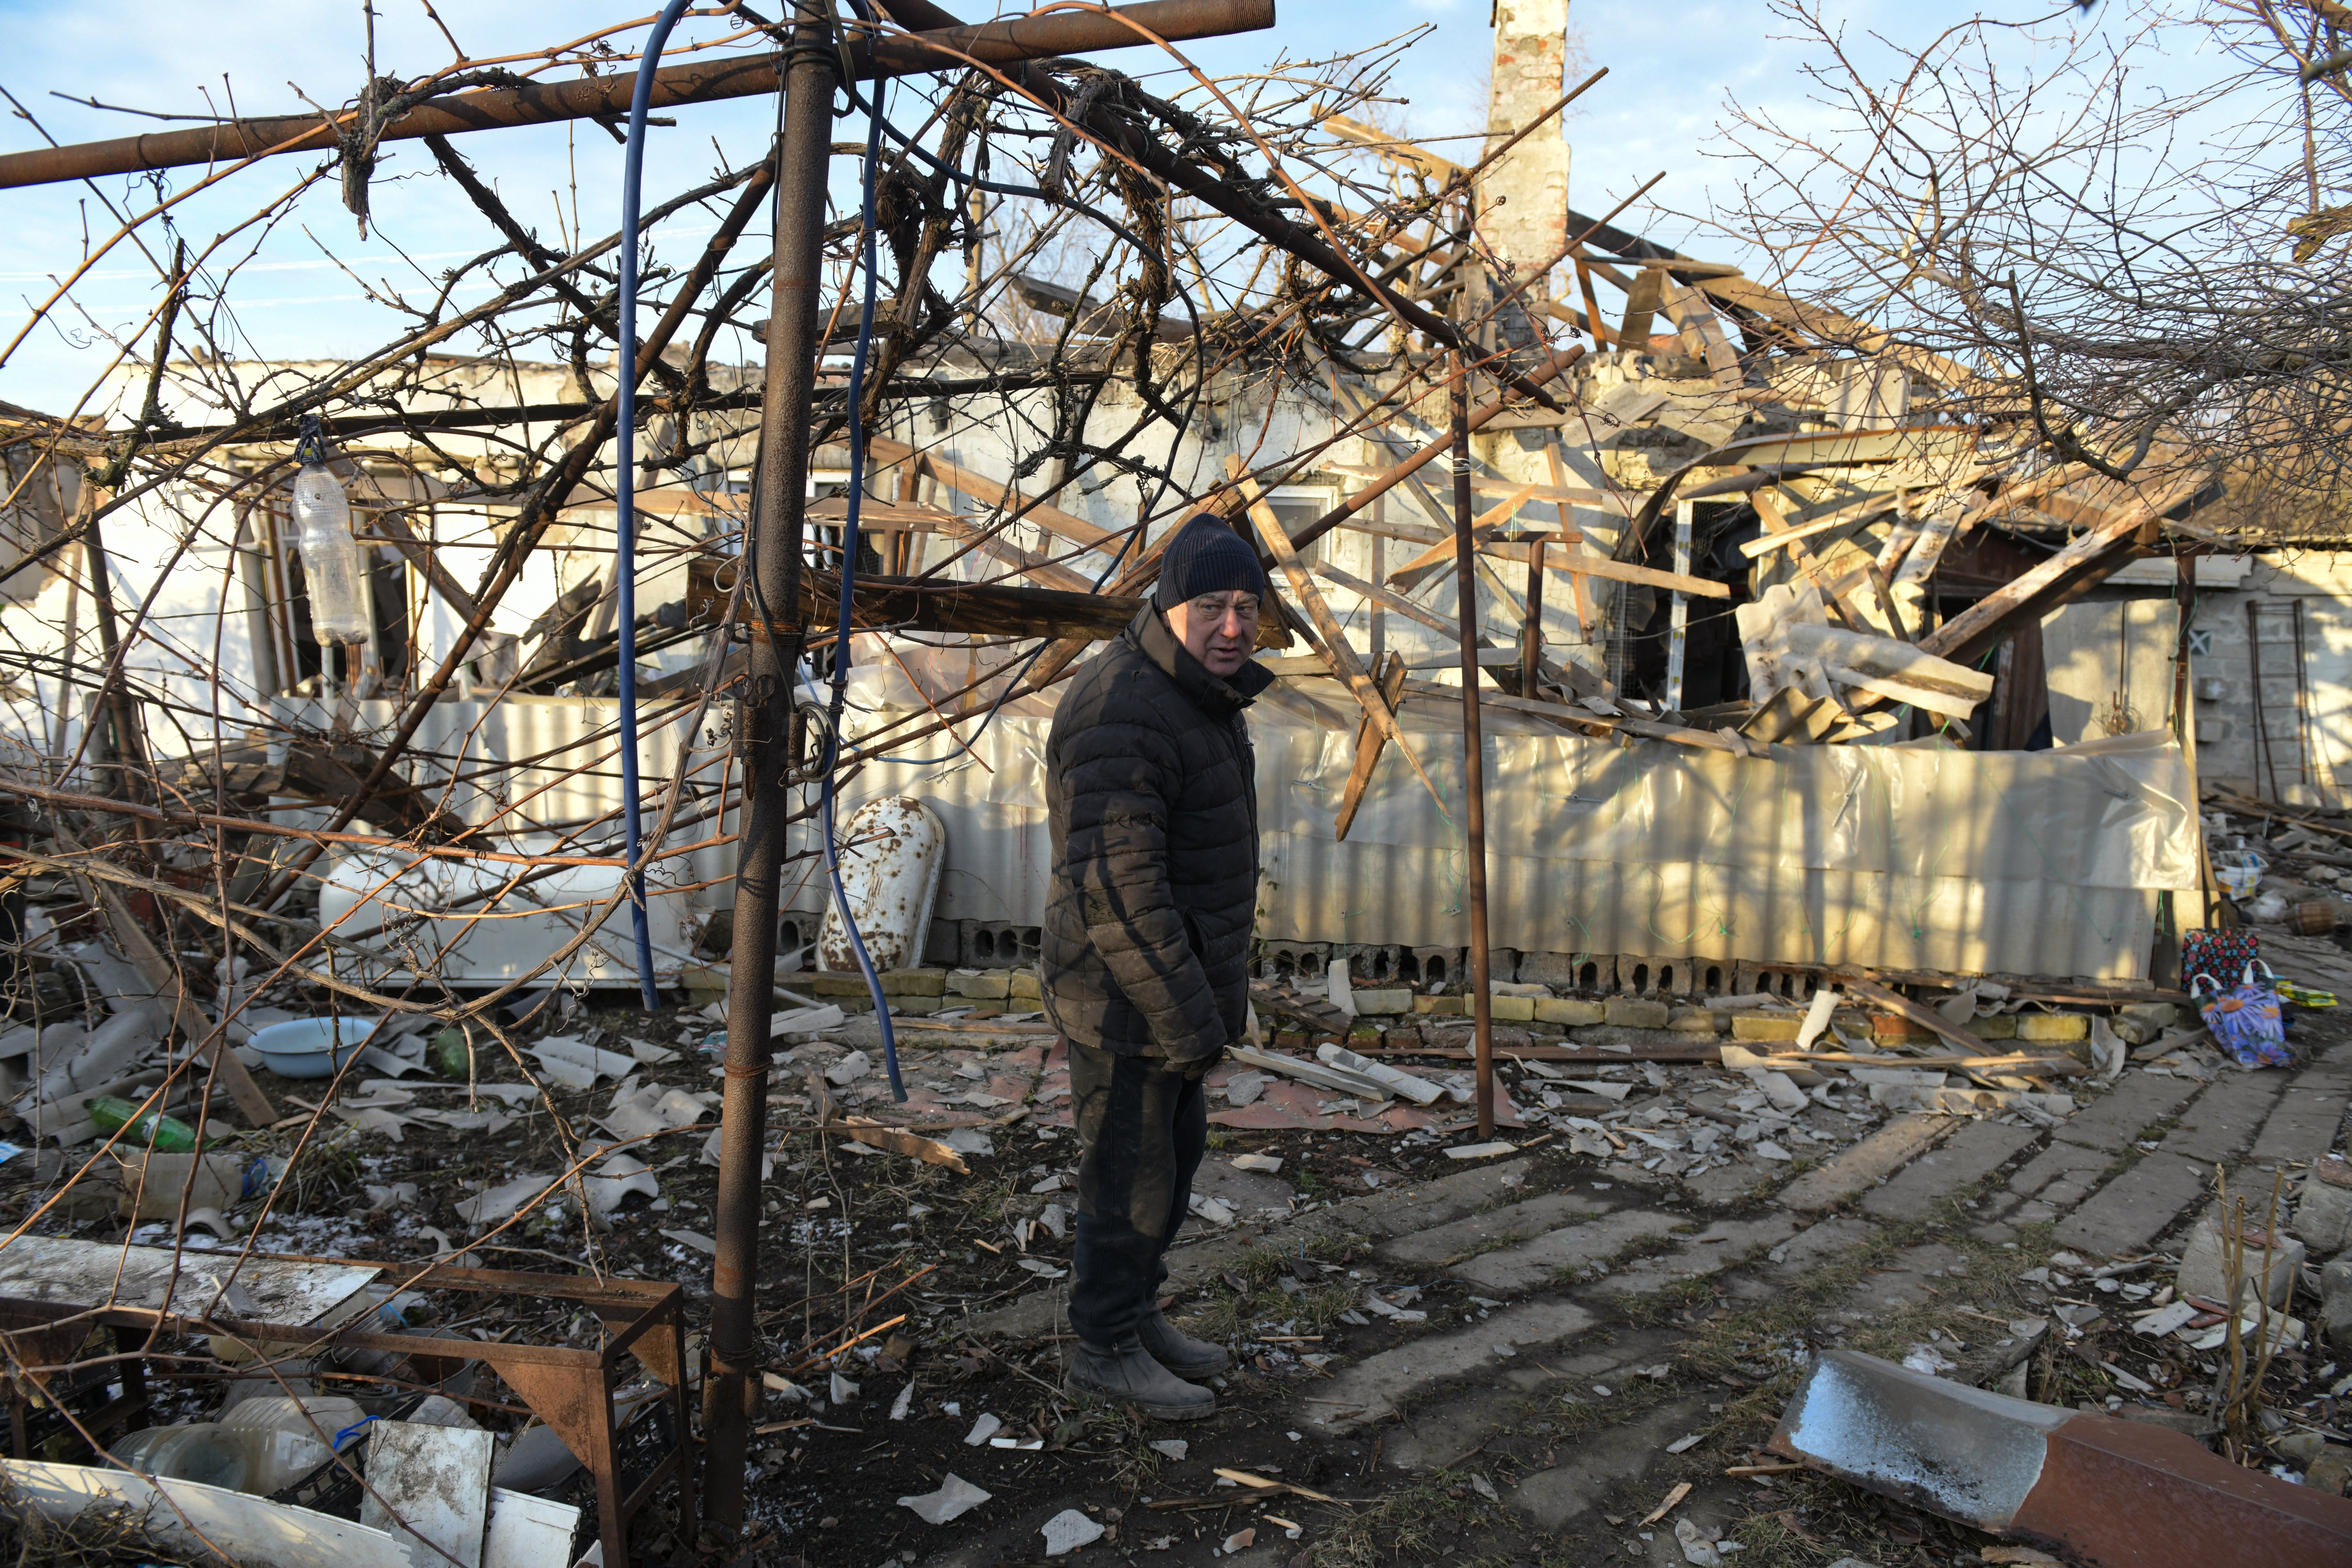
{"type": "Point", "coordinates": [1141, 1133]}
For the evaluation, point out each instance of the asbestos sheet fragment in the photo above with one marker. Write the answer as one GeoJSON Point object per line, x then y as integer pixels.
{"type": "Point", "coordinates": [502, 1201]}
{"type": "Point", "coordinates": [955, 1498]}
{"type": "Point", "coordinates": [1067, 1531]}
{"type": "Point", "coordinates": [576, 1064]}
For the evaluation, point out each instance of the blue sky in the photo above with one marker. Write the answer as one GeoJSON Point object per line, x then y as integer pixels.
{"type": "Point", "coordinates": [1671, 66]}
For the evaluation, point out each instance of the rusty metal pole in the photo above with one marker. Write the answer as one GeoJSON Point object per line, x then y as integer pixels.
{"type": "Point", "coordinates": [763, 717]}
{"type": "Point", "coordinates": [1474, 751]}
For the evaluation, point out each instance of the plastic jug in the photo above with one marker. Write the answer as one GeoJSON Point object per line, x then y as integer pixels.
{"type": "Point", "coordinates": [204, 1451]}
{"type": "Point", "coordinates": [289, 1438]}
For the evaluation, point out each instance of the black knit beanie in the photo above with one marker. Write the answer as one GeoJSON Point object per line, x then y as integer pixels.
{"type": "Point", "coordinates": [1206, 557]}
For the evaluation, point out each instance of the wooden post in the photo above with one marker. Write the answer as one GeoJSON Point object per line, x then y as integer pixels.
{"type": "Point", "coordinates": [1473, 755]}
{"type": "Point", "coordinates": [1531, 629]}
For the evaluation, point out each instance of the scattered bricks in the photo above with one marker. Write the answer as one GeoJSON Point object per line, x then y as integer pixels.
{"type": "Point", "coordinates": [1695, 1021]}
{"type": "Point", "coordinates": [1512, 1009]}
{"type": "Point", "coordinates": [981, 984]}
{"type": "Point", "coordinates": [2144, 1021]}
{"type": "Point", "coordinates": [1633, 1013]}
{"type": "Point", "coordinates": [1289, 963]}
{"type": "Point", "coordinates": [1289, 1040]}
{"type": "Point", "coordinates": [704, 983]}
{"type": "Point", "coordinates": [1407, 1038]}
{"type": "Point", "coordinates": [1441, 1007]}
{"type": "Point", "coordinates": [1364, 1036]}
{"type": "Point", "coordinates": [914, 981]}
{"type": "Point", "coordinates": [1865, 1163]}
{"type": "Point", "coordinates": [917, 1006]}
{"type": "Point", "coordinates": [2053, 1029]}
{"type": "Point", "coordinates": [1025, 986]}
{"type": "Point", "coordinates": [1641, 975]}
{"type": "Point", "coordinates": [2000, 1026]}
{"type": "Point", "coordinates": [1434, 966]}
{"type": "Point", "coordinates": [2223, 1120]}
{"type": "Point", "coordinates": [996, 945]}
{"type": "Point", "coordinates": [1762, 1025]}
{"type": "Point", "coordinates": [2124, 1112]}
{"type": "Point", "coordinates": [1894, 1027]}
{"type": "Point", "coordinates": [1567, 1011]}
{"type": "Point", "coordinates": [2135, 1208]}
{"type": "Point", "coordinates": [835, 983]}
{"type": "Point", "coordinates": [1791, 985]}
{"type": "Point", "coordinates": [1383, 1002]}
{"type": "Point", "coordinates": [1550, 969]}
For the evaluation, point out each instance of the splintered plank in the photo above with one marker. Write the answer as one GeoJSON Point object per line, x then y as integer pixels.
{"type": "Point", "coordinates": [1344, 663]}
{"type": "Point", "coordinates": [1369, 740]}
{"type": "Point", "coordinates": [1440, 555]}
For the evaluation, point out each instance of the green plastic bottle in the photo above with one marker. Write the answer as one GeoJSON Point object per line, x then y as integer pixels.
{"type": "Point", "coordinates": [168, 1133]}
{"type": "Point", "coordinates": [449, 1056]}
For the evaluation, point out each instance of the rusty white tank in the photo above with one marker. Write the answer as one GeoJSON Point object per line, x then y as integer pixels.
{"type": "Point", "coordinates": [892, 851]}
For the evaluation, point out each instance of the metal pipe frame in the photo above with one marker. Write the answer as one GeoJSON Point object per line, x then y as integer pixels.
{"type": "Point", "coordinates": [764, 717]}
{"type": "Point", "coordinates": [567, 1387]}
{"type": "Point", "coordinates": [606, 97]}
{"type": "Point", "coordinates": [1474, 756]}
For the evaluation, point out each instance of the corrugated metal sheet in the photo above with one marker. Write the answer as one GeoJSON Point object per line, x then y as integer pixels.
{"type": "Point", "coordinates": [2047, 862]}
{"type": "Point", "coordinates": [2026, 862]}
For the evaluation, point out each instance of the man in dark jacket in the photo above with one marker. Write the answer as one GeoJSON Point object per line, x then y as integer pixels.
{"type": "Point", "coordinates": [1152, 785]}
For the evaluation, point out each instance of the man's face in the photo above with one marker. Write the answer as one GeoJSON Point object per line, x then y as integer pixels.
{"type": "Point", "coordinates": [1218, 629]}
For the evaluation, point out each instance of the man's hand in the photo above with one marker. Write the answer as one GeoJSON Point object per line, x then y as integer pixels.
{"type": "Point", "coordinates": [1194, 1065]}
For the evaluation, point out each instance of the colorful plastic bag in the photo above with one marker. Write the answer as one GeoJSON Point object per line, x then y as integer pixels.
{"type": "Point", "coordinates": [2218, 955]}
{"type": "Point", "coordinates": [2246, 1021]}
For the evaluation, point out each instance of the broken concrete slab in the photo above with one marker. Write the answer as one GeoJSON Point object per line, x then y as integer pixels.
{"type": "Point", "coordinates": [2061, 1159]}
{"type": "Point", "coordinates": [2302, 1125]}
{"type": "Point", "coordinates": [1443, 1244]}
{"type": "Point", "coordinates": [1605, 1457]}
{"type": "Point", "coordinates": [2099, 1489]}
{"type": "Point", "coordinates": [2223, 1121]}
{"type": "Point", "coordinates": [1924, 1189]}
{"type": "Point", "coordinates": [1390, 1211]}
{"type": "Point", "coordinates": [2133, 1208]}
{"type": "Point", "coordinates": [2112, 1121]}
{"type": "Point", "coordinates": [1713, 1249]}
{"type": "Point", "coordinates": [1864, 1165]}
{"type": "Point", "coordinates": [1543, 1260]}
{"type": "Point", "coordinates": [1378, 1385]}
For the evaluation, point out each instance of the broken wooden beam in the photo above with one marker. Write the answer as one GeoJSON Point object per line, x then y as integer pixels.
{"type": "Point", "coordinates": [1344, 663]}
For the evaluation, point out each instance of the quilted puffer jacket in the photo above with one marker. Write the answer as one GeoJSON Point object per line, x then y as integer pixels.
{"type": "Point", "coordinates": [1152, 788]}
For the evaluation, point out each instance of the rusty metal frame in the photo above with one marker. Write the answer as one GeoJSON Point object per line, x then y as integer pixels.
{"type": "Point", "coordinates": [569, 1388]}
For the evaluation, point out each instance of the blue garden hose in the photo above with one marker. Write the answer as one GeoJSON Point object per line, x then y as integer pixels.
{"type": "Point", "coordinates": [633, 171]}
{"type": "Point", "coordinates": [849, 578]}
{"type": "Point", "coordinates": [633, 177]}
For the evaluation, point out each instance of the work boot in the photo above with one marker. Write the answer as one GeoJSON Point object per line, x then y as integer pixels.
{"type": "Point", "coordinates": [1126, 1374]}
{"type": "Point", "coordinates": [1179, 1351]}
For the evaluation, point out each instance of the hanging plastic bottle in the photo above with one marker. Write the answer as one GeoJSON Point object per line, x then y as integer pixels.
{"type": "Point", "coordinates": [334, 567]}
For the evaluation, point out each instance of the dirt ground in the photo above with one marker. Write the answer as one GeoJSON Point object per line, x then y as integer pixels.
{"type": "Point", "coordinates": [1555, 1448]}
